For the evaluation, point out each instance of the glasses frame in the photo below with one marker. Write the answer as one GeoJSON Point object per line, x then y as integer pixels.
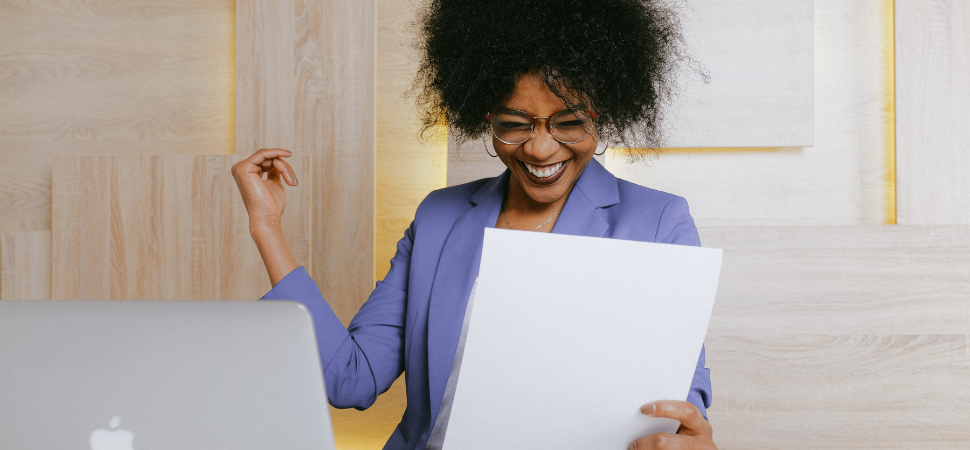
{"type": "Point", "coordinates": [532, 129]}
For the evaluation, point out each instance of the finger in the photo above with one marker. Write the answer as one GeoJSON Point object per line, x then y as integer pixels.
{"type": "Point", "coordinates": [685, 412]}
{"type": "Point", "coordinates": [272, 175]}
{"type": "Point", "coordinates": [254, 163]}
{"type": "Point", "coordinates": [264, 154]}
{"type": "Point", "coordinates": [266, 166]}
{"type": "Point", "coordinates": [286, 169]}
{"type": "Point", "coordinates": [660, 441]}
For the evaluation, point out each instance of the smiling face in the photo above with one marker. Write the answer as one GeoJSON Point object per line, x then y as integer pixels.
{"type": "Point", "coordinates": [543, 170]}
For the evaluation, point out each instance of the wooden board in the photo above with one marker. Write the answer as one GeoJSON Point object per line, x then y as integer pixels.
{"type": "Point", "coordinates": [842, 280]}
{"type": "Point", "coordinates": [305, 81]}
{"type": "Point", "coordinates": [842, 180]}
{"type": "Point", "coordinates": [87, 76]}
{"type": "Point", "coordinates": [161, 227]}
{"type": "Point", "coordinates": [407, 170]}
{"type": "Point", "coordinates": [407, 167]}
{"type": "Point", "coordinates": [758, 55]}
{"type": "Point", "coordinates": [862, 391]}
{"type": "Point", "coordinates": [841, 337]}
{"type": "Point", "coordinates": [933, 95]}
{"type": "Point", "coordinates": [25, 265]}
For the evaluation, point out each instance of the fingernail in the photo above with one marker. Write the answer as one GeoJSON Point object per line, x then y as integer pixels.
{"type": "Point", "coordinates": [648, 409]}
{"type": "Point", "coordinates": [295, 181]}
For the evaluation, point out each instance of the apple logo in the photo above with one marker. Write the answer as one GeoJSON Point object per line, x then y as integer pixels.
{"type": "Point", "coordinates": [103, 439]}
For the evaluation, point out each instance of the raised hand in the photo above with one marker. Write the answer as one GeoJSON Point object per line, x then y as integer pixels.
{"type": "Point", "coordinates": [264, 198]}
{"type": "Point", "coordinates": [265, 201]}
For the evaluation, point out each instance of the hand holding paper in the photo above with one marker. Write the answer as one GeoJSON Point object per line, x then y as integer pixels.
{"type": "Point", "coordinates": [694, 432]}
{"type": "Point", "coordinates": [569, 336]}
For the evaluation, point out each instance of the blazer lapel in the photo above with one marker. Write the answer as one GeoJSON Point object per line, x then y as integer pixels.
{"type": "Point", "coordinates": [457, 269]}
{"type": "Point", "coordinates": [582, 215]}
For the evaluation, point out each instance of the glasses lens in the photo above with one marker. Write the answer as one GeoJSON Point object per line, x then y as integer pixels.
{"type": "Point", "coordinates": [570, 126]}
{"type": "Point", "coordinates": [512, 127]}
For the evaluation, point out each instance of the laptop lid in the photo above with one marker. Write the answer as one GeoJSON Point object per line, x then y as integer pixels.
{"type": "Point", "coordinates": [135, 375]}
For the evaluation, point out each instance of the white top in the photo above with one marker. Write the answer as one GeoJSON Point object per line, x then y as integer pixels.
{"type": "Point", "coordinates": [437, 438]}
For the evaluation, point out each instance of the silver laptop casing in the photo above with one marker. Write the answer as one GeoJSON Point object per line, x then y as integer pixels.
{"type": "Point", "coordinates": [178, 375]}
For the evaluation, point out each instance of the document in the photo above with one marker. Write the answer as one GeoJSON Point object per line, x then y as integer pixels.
{"type": "Point", "coordinates": [568, 336]}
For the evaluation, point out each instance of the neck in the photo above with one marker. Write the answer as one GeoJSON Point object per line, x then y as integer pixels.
{"type": "Point", "coordinates": [521, 212]}
{"type": "Point", "coordinates": [519, 203]}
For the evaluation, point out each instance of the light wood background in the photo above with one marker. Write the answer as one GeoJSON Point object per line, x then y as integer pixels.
{"type": "Point", "coordinates": [161, 228]}
{"type": "Point", "coordinates": [305, 81]}
{"type": "Point", "coordinates": [760, 90]}
{"type": "Point", "coordinates": [25, 265]}
{"type": "Point", "coordinates": [841, 337]}
{"type": "Point", "coordinates": [933, 92]}
{"type": "Point", "coordinates": [146, 77]}
{"type": "Point", "coordinates": [846, 336]}
{"type": "Point", "coordinates": [305, 77]}
{"type": "Point", "coordinates": [85, 76]}
{"type": "Point", "coordinates": [407, 169]}
{"type": "Point", "coordinates": [843, 179]}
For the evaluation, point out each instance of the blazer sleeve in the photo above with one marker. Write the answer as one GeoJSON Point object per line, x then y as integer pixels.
{"type": "Point", "coordinates": [677, 227]}
{"type": "Point", "coordinates": [362, 361]}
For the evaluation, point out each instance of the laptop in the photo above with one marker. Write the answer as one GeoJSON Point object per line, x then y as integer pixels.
{"type": "Point", "coordinates": [137, 375]}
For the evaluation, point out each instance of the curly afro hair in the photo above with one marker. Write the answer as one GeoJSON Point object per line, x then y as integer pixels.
{"type": "Point", "coordinates": [618, 56]}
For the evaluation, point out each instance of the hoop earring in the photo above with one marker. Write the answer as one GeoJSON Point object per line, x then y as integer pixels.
{"type": "Point", "coordinates": [485, 144]}
{"type": "Point", "coordinates": [605, 147]}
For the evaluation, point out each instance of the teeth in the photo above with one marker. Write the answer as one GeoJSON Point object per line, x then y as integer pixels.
{"type": "Point", "coordinates": [546, 172]}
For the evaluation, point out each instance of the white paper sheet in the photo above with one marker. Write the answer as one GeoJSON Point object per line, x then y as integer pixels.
{"type": "Point", "coordinates": [570, 335]}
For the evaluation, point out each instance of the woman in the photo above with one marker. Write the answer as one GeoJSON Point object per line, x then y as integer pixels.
{"type": "Point", "coordinates": [548, 80]}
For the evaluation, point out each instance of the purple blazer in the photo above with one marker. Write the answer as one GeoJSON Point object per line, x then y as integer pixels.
{"type": "Point", "coordinates": [413, 319]}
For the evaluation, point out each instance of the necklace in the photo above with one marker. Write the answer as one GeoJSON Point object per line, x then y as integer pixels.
{"type": "Point", "coordinates": [506, 216]}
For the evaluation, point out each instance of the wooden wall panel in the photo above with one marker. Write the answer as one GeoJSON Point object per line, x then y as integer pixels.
{"type": "Point", "coordinates": [933, 95]}
{"type": "Point", "coordinates": [759, 57]}
{"type": "Point", "coordinates": [408, 168]}
{"type": "Point", "coordinates": [839, 392]}
{"type": "Point", "coordinates": [161, 227]}
{"type": "Point", "coordinates": [335, 70]}
{"type": "Point", "coordinates": [841, 180]}
{"type": "Point", "coordinates": [87, 76]}
{"type": "Point", "coordinates": [841, 337]}
{"type": "Point", "coordinates": [305, 81]}
{"type": "Point", "coordinates": [265, 82]}
{"type": "Point", "coordinates": [25, 265]}
{"type": "Point", "coordinates": [842, 280]}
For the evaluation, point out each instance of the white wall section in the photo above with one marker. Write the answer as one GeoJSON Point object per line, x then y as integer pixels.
{"type": "Point", "coordinates": [933, 98]}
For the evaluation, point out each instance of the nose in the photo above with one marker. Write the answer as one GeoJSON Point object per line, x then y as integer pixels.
{"type": "Point", "coordinates": [541, 145]}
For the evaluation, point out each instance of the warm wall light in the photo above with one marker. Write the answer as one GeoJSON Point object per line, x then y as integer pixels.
{"type": "Point", "coordinates": [889, 113]}
{"type": "Point", "coordinates": [629, 151]}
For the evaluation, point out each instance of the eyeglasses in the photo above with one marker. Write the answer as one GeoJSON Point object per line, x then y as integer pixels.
{"type": "Point", "coordinates": [568, 126]}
